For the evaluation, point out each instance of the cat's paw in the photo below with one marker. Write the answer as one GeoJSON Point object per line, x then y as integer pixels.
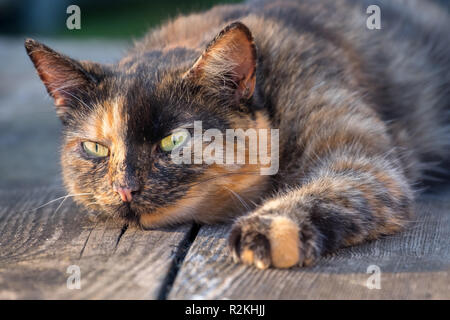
{"type": "Point", "coordinates": [265, 241]}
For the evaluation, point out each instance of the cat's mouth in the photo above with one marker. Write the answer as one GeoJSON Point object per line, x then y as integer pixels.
{"type": "Point", "coordinates": [126, 211]}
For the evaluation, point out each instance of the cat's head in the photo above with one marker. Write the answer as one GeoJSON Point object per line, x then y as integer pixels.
{"type": "Point", "coordinates": [121, 122]}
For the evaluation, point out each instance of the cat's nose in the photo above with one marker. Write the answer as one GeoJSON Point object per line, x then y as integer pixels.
{"type": "Point", "coordinates": [126, 194]}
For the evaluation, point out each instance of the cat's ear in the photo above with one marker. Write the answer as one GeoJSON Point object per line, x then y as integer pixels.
{"type": "Point", "coordinates": [65, 79]}
{"type": "Point", "coordinates": [228, 65]}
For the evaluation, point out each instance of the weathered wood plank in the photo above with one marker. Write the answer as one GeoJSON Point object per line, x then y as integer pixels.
{"type": "Point", "coordinates": [414, 265]}
{"type": "Point", "coordinates": [37, 247]}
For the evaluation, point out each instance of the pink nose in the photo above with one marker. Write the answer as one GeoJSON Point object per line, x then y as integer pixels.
{"type": "Point", "coordinates": [125, 194]}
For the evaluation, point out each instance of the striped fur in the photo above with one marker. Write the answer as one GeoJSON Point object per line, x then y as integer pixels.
{"type": "Point", "coordinates": [363, 118]}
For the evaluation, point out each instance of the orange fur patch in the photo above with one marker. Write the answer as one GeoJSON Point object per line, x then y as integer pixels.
{"type": "Point", "coordinates": [247, 256]}
{"type": "Point", "coordinates": [284, 243]}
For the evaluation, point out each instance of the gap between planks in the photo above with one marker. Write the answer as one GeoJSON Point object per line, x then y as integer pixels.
{"type": "Point", "coordinates": [116, 261]}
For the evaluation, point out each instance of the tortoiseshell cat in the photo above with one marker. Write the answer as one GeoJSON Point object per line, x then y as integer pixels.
{"type": "Point", "coordinates": [361, 113]}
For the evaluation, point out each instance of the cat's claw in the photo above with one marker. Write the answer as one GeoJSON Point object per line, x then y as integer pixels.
{"type": "Point", "coordinates": [265, 241]}
{"type": "Point", "coordinates": [250, 248]}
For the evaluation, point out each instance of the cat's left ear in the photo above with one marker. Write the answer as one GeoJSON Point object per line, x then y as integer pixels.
{"type": "Point", "coordinates": [228, 65]}
{"type": "Point", "coordinates": [65, 78]}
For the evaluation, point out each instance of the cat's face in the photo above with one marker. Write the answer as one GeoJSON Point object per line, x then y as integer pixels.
{"type": "Point", "coordinates": [121, 123]}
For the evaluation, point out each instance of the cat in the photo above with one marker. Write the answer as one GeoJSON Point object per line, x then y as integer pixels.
{"type": "Point", "coordinates": [363, 117]}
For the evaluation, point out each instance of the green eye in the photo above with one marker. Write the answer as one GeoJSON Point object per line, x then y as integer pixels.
{"type": "Point", "coordinates": [95, 149]}
{"type": "Point", "coordinates": [173, 141]}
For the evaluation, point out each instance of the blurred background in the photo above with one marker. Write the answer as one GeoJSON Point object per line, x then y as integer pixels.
{"type": "Point", "coordinates": [29, 128]}
{"type": "Point", "coordinates": [100, 18]}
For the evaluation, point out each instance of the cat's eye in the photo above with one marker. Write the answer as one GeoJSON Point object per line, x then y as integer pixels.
{"type": "Point", "coordinates": [94, 149]}
{"type": "Point", "coordinates": [175, 140]}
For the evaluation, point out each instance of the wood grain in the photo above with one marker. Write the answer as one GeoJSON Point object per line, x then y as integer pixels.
{"type": "Point", "coordinates": [414, 265]}
{"type": "Point", "coordinates": [37, 247]}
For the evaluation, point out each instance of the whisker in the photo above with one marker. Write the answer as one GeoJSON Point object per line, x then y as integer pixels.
{"type": "Point", "coordinates": [75, 97]}
{"type": "Point", "coordinates": [241, 200]}
{"type": "Point", "coordinates": [57, 199]}
{"type": "Point", "coordinates": [59, 206]}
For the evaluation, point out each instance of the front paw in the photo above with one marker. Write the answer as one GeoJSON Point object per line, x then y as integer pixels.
{"type": "Point", "coordinates": [266, 241]}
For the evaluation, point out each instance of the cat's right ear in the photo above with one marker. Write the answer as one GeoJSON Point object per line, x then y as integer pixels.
{"type": "Point", "coordinates": [65, 79]}
{"type": "Point", "coordinates": [227, 67]}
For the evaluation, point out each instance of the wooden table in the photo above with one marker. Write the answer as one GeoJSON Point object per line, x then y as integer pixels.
{"type": "Point", "coordinates": [191, 262]}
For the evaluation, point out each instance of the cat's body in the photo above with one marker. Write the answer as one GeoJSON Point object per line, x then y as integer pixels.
{"type": "Point", "coordinates": [361, 113]}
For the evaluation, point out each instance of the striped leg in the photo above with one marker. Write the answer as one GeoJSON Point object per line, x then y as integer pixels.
{"type": "Point", "coordinates": [348, 194]}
